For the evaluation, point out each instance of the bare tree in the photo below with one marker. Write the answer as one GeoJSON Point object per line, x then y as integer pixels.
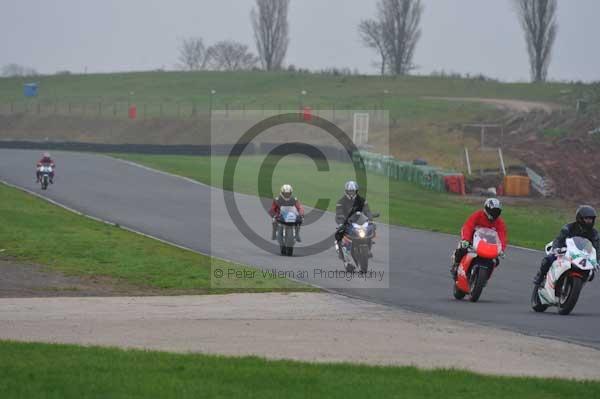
{"type": "Point", "coordinates": [538, 19]}
{"type": "Point", "coordinates": [16, 70]}
{"type": "Point", "coordinates": [270, 26]}
{"type": "Point", "coordinates": [400, 20]}
{"type": "Point", "coordinates": [231, 56]}
{"type": "Point", "coordinates": [371, 35]}
{"type": "Point", "coordinates": [193, 55]}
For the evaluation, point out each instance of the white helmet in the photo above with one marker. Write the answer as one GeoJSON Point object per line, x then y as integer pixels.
{"type": "Point", "coordinates": [286, 191]}
{"type": "Point", "coordinates": [492, 208]}
{"type": "Point", "coordinates": [46, 155]}
{"type": "Point", "coordinates": [351, 189]}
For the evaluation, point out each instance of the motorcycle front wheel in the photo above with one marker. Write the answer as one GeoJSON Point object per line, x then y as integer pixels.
{"type": "Point", "coordinates": [458, 294]}
{"type": "Point", "coordinates": [570, 288]}
{"type": "Point", "coordinates": [361, 257]}
{"type": "Point", "coordinates": [477, 281]}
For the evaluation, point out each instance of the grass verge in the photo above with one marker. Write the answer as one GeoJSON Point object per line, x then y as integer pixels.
{"type": "Point", "coordinates": [36, 231]}
{"type": "Point", "coordinates": [530, 224]}
{"type": "Point", "coordinates": [66, 371]}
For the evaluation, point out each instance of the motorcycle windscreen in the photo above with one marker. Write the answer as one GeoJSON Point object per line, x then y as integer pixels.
{"type": "Point", "coordinates": [584, 245]}
{"type": "Point", "coordinates": [487, 243]}
{"type": "Point", "coordinates": [358, 218]}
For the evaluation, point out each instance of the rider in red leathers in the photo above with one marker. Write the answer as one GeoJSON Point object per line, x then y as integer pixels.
{"type": "Point", "coordinates": [285, 198]}
{"type": "Point", "coordinates": [488, 217]}
{"type": "Point", "coordinates": [45, 160]}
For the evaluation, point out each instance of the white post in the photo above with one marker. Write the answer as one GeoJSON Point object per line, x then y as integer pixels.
{"type": "Point", "coordinates": [468, 161]}
{"type": "Point", "coordinates": [501, 161]}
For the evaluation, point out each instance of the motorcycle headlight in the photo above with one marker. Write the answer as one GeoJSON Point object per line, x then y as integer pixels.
{"type": "Point", "coordinates": [362, 233]}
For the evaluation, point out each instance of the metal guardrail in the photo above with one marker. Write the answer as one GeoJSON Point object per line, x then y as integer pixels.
{"type": "Point", "coordinates": [540, 184]}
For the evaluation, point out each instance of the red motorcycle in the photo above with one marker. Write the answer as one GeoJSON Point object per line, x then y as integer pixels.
{"type": "Point", "coordinates": [477, 266]}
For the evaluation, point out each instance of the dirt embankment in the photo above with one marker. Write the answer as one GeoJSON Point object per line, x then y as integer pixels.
{"type": "Point", "coordinates": [506, 104]}
{"type": "Point", "coordinates": [562, 147]}
{"type": "Point", "coordinates": [552, 140]}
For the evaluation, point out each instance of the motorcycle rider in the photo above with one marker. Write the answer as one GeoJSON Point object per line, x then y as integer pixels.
{"type": "Point", "coordinates": [46, 160]}
{"type": "Point", "coordinates": [349, 203]}
{"type": "Point", "coordinates": [488, 217]}
{"type": "Point", "coordinates": [285, 199]}
{"type": "Point", "coordinates": [583, 226]}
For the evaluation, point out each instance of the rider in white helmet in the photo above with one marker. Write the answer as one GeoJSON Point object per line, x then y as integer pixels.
{"type": "Point", "coordinates": [45, 160]}
{"type": "Point", "coordinates": [350, 202]}
{"type": "Point", "coordinates": [285, 198]}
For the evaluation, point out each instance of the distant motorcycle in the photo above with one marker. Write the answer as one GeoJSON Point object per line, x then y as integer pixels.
{"type": "Point", "coordinates": [476, 267]}
{"type": "Point", "coordinates": [45, 173]}
{"type": "Point", "coordinates": [356, 242]}
{"type": "Point", "coordinates": [573, 267]}
{"type": "Point", "coordinates": [287, 221]}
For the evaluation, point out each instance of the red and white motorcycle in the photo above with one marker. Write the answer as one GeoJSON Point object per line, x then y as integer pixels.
{"type": "Point", "coordinates": [476, 267]}
{"type": "Point", "coordinates": [574, 266]}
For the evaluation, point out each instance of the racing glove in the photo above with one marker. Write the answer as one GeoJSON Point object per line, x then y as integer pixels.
{"type": "Point", "coordinates": [464, 244]}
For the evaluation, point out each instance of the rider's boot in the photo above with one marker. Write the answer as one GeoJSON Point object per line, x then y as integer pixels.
{"type": "Point", "coordinates": [298, 234]}
{"type": "Point", "coordinates": [541, 274]}
{"type": "Point", "coordinates": [538, 279]}
{"type": "Point", "coordinates": [453, 267]}
{"type": "Point", "coordinates": [273, 231]}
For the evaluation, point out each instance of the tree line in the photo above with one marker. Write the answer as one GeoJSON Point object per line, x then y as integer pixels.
{"type": "Point", "coordinates": [393, 33]}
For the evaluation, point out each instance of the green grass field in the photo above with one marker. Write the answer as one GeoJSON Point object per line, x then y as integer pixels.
{"type": "Point", "coordinates": [35, 231]}
{"type": "Point", "coordinates": [65, 371]}
{"type": "Point", "coordinates": [255, 90]}
{"type": "Point", "coordinates": [403, 203]}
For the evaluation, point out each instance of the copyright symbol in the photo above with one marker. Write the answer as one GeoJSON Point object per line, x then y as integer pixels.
{"type": "Point", "coordinates": [266, 172]}
{"type": "Point", "coordinates": [218, 273]}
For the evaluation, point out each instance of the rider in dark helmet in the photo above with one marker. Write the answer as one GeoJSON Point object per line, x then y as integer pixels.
{"type": "Point", "coordinates": [583, 226]}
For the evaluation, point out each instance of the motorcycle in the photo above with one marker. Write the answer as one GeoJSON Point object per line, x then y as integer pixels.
{"type": "Point", "coordinates": [45, 172]}
{"type": "Point", "coordinates": [574, 266]}
{"type": "Point", "coordinates": [477, 266]}
{"type": "Point", "coordinates": [288, 220]}
{"type": "Point", "coordinates": [356, 242]}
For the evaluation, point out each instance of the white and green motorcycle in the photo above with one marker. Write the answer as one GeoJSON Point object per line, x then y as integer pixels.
{"type": "Point", "coordinates": [574, 266]}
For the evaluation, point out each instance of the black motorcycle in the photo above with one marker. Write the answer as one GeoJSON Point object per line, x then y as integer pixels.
{"type": "Point", "coordinates": [356, 240]}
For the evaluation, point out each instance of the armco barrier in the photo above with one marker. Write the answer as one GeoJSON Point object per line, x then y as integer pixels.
{"type": "Point", "coordinates": [424, 175]}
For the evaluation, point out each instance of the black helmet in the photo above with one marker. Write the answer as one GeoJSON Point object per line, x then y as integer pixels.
{"type": "Point", "coordinates": [585, 212]}
{"type": "Point", "coordinates": [492, 208]}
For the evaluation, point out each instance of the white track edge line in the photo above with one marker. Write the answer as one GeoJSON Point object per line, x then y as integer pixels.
{"type": "Point", "coordinates": [132, 230]}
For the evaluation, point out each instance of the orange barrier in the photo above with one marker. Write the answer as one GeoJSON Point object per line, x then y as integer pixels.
{"type": "Point", "coordinates": [516, 186]}
{"type": "Point", "coordinates": [455, 184]}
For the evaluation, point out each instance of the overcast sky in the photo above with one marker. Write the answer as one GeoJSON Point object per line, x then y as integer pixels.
{"type": "Point", "coordinates": [475, 36]}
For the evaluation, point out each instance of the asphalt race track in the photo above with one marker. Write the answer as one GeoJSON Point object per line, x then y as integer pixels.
{"type": "Point", "coordinates": [414, 266]}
